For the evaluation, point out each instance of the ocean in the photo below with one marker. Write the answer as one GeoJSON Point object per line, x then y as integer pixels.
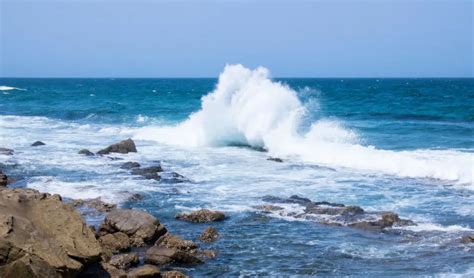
{"type": "Point", "coordinates": [401, 145]}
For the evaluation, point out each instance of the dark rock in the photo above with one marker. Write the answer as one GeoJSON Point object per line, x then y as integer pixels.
{"type": "Point", "coordinates": [6, 151]}
{"type": "Point", "coordinates": [115, 242]}
{"type": "Point", "coordinates": [124, 261]}
{"type": "Point", "coordinates": [175, 242]}
{"type": "Point", "coordinates": [86, 152]}
{"type": "Point", "coordinates": [38, 143]}
{"type": "Point", "coordinates": [276, 159]}
{"type": "Point", "coordinates": [161, 255]}
{"type": "Point", "coordinates": [295, 199]}
{"type": "Point", "coordinates": [42, 237]}
{"type": "Point", "coordinates": [130, 165]}
{"type": "Point", "coordinates": [268, 208]}
{"type": "Point", "coordinates": [173, 177]}
{"type": "Point", "coordinates": [208, 254]}
{"type": "Point", "coordinates": [202, 216]}
{"type": "Point", "coordinates": [124, 146]}
{"type": "Point", "coordinates": [145, 271]}
{"type": "Point", "coordinates": [210, 234]}
{"type": "Point", "coordinates": [173, 274]}
{"type": "Point", "coordinates": [388, 219]}
{"type": "Point", "coordinates": [3, 179]}
{"type": "Point", "coordinates": [467, 239]}
{"type": "Point", "coordinates": [148, 172]}
{"type": "Point", "coordinates": [95, 203]}
{"type": "Point", "coordinates": [140, 226]}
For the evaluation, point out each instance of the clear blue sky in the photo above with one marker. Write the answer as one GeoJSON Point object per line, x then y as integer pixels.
{"type": "Point", "coordinates": [137, 38]}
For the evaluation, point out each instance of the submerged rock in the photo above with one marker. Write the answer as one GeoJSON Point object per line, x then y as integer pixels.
{"type": "Point", "coordinates": [86, 152]}
{"type": "Point", "coordinates": [161, 255]}
{"type": "Point", "coordinates": [145, 271]}
{"type": "Point", "coordinates": [467, 239]}
{"type": "Point", "coordinates": [148, 172]}
{"type": "Point", "coordinates": [210, 234]}
{"type": "Point", "coordinates": [124, 146]}
{"type": "Point", "coordinates": [42, 237]}
{"type": "Point", "coordinates": [38, 143]}
{"type": "Point", "coordinates": [268, 208]}
{"type": "Point", "coordinates": [140, 226]}
{"type": "Point", "coordinates": [3, 179]}
{"type": "Point", "coordinates": [173, 177]}
{"type": "Point", "coordinates": [130, 165]}
{"type": "Point", "coordinates": [6, 151]}
{"type": "Point", "coordinates": [276, 159]}
{"type": "Point", "coordinates": [202, 216]}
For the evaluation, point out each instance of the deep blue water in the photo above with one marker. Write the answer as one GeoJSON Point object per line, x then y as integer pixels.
{"type": "Point", "coordinates": [426, 122]}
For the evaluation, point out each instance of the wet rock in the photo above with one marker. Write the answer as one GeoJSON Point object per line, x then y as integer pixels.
{"type": "Point", "coordinates": [145, 271]}
{"type": "Point", "coordinates": [3, 179]}
{"type": "Point", "coordinates": [140, 226]}
{"type": "Point", "coordinates": [161, 255]}
{"type": "Point", "coordinates": [202, 216]}
{"type": "Point", "coordinates": [295, 199]}
{"type": "Point", "coordinates": [130, 165]}
{"type": "Point", "coordinates": [95, 203]}
{"type": "Point", "coordinates": [124, 146]}
{"type": "Point", "coordinates": [173, 177]}
{"type": "Point", "coordinates": [86, 152]}
{"type": "Point", "coordinates": [467, 239]}
{"type": "Point", "coordinates": [332, 209]}
{"type": "Point", "coordinates": [6, 151]}
{"type": "Point", "coordinates": [268, 208]}
{"type": "Point", "coordinates": [42, 237]}
{"type": "Point", "coordinates": [124, 261]}
{"type": "Point", "coordinates": [276, 159]}
{"type": "Point", "coordinates": [38, 143]}
{"type": "Point", "coordinates": [208, 254]}
{"type": "Point", "coordinates": [175, 242]}
{"type": "Point", "coordinates": [210, 234]}
{"type": "Point", "coordinates": [148, 172]}
{"type": "Point", "coordinates": [113, 271]}
{"type": "Point", "coordinates": [173, 274]}
{"type": "Point", "coordinates": [388, 219]}
{"type": "Point", "coordinates": [115, 242]}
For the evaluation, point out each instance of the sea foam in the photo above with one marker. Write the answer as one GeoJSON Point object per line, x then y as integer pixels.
{"type": "Point", "coordinates": [248, 108]}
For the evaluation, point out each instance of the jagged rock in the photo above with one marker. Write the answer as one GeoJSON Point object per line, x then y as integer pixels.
{"type": "Point", "coordinates": [42, 237]}
{"type": "Point", "coordinates": [86, 152]}
{"type": "Point", "coordinates": [276, 159]}
{"type": "Point", "coordinates": [124, 261]}
{"type": "Point", "coordinates": [3, 179]}
{"type": "Point", "coordinates": [145, 271]}
{"type": "Point", "coordinates": [467, 239]}
{"type": "Point", "coordinates": [202, 216]}
{"type": "Point", "coordinates": [6, 151]}
{"type": "Point", "coordinates": [124, 146]}
{"type": "Point", "coordinates": [148, 172]}
{"type": "Point", "coordinates": [210, 234]}
{"type": "Point", "coordinates": [173, 274]}
{"type": "Point", "coordinates": [161, 255]}
{"type": "Point", "coordinates": [115, 242]}
{"type": "Point", "coordinates": [140, 226]}
{"type": "Point", "coordinates": [130, 165]}
{"type": "Point", "coordinates": [173, 241]}
{"type": "Point", "coordinates": [38, 143]}
{"type": "Point", "coordinates": [95, 203]}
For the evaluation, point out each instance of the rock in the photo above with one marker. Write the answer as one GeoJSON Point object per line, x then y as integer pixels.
{"type": "Point", "coordinates": [140, 226]}
{"type": "Point", "coordinates": [148, 172]}
{"type": "Point", "coordinates": [86, 152]}
{"type": "Point", "coordinates": [145, 271]}
{"type": "Point", "coordinates": [42, 237]}
{"type": "Point", "coordinates": [6, 151]}
{"type": "Point", "coordinates": [124, 261]}
{"type": "Point", "coordinates": [124, 146]}
{"type": "Point", "coordinates": [172, 241]}
{"type": "Point", "coordinates": [38, 143]}
{"type": "Point", "coordinates": [268, 208]}
{"type": "Point", "coordinates": [276, 159]}
{"type": "Point", "coordinates": [130, 165]}
{"type": "Point", "coordinates": [115, 242]}
{"type": "Point", "coordinates": [295, 199]}
{"type": "Point", "coordinates": [161, 255]}
{"type": "Point", "coordinates": [173, 274]}
{"type": "Point", "coordinates": [202, 216]}
{"type": "Point", "coordinates": [113, 271]}
{"type": "Point", "coordinates": [467, 239]}
{"type": "Point", "coordinates": [210, 234]}
{"type": "Point", "coordinates": [173, 177]}
{"type": "Point", "coordinates": [208, 254]}
{"type": "Point", "coordinates": [95, 203]}
{"type": "Point", "coordinates": [3, 179]}
{"type": "Point", "coordinates": [388, 219]}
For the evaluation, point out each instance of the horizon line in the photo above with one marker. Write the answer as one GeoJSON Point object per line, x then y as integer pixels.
{"type": "Point", "coordinates": [216, 77]}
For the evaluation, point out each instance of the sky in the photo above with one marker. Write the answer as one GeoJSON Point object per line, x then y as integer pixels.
{"type": "Point", "coordinates": [293, 38]}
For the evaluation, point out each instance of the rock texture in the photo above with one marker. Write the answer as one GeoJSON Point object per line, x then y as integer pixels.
{"type": "Point", "coordinates": [210, 234]}
{"type": "Point", "coordinates": [202, 216]}
{"type": "Point", "coordinates": [124, 146]}
{"type": "Point", "coordinates": [114, 243]}
{"type": "Point", "coordinates": [145, 271]}
{"type": "Point", "coordinates": [42, 237]}
{"type": "Point", "coordinates": [140, 226]}
{"type": "Point", "coordinates": [161, 255]}
{"type": "Point", "coordinates": [124, 261]}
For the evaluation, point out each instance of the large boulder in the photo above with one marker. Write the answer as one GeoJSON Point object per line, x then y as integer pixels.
{"type": "Point", "coordinates": [140, 226]}
{"type": "Point", "coordinates": [202, 216]}
{"type": "Point", "coordinates": [42, 237]}
{"type": "Point", "coordinates": [124, 146]}
{"type": "Point", "coordinates": [161, 255]}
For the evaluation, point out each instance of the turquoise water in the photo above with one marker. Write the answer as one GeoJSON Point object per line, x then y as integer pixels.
{"type": "Point", "coordinates": [404, 145]}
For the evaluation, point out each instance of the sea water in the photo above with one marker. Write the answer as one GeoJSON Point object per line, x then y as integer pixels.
{"type": "Point", "coordinates": [402, 145]}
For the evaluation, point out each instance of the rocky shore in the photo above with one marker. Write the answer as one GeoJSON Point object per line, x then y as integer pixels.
{"type": "Point", "coordinates": [42, 235]}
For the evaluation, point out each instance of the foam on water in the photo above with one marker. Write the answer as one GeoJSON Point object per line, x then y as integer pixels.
{"type": "Point", "coordinates": [8, 88]}
{"type": "Point", "coordinates": [248, 108]}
